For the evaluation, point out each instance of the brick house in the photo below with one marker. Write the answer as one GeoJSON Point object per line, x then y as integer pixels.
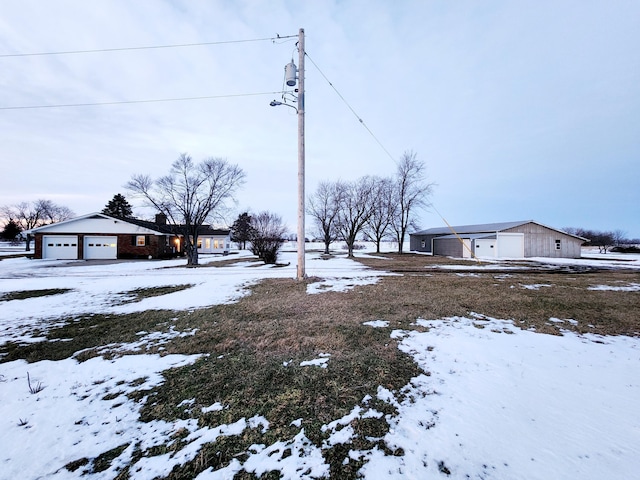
{"type": "Point", "coordinates": [102, 236]}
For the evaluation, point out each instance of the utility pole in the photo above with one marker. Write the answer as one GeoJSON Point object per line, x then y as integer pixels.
{"type": "Point", "coordinates": [301, 240]}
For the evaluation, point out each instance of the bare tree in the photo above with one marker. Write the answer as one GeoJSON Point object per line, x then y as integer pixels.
{"type": "Point", "coordinates": [190, 195]}
{"type": "Point", "coordinates": [596, 238]}
{"type": "Point", "coordinates": [267, 235]}
{"type": "Point", "coordinates": [619, 237]}
{"type": "Point", "coordinates": [412, 193]}
{"type": "Point", "coordinates": [383, 210]}
{"type": "Point", "coordinates": [34, 214]}
{"type": "Point", "coordinates": [323, 207]}
{"type": "Point", "coordinates": [354, 209]}
{"type": "Point", "coordinates": [37, 213]}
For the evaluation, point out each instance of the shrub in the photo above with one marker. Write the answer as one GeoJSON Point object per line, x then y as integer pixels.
{"type": "Point", "coordinates": [267, 236]}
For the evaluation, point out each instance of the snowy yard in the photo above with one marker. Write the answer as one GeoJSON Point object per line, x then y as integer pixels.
{"type": "Point", "coordinates": [493, 400]}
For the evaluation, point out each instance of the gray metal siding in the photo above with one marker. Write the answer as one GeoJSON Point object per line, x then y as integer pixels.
{"type": "Point", "coordinates": [540, 241]}
{"type": "Point", "coordinates": [415, 243]}
{"type": "Point", "coordinates": [448, 247]}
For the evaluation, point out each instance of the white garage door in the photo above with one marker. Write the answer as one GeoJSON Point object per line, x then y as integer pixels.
{"type": "Point", "coordinates": [58, 247]}
{"type": "Point", "coordinates": [511, 245]}
{"type": "Point", "coordinates": [100, 247]}
{"type": "Point", "coordinates": [485, 247]}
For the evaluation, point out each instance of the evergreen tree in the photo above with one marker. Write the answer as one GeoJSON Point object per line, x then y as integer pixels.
{"type": "Point", "coordinates": [11, 230]}
{"type": "Point", "coordinates": [242, 230]}
{"type": "Point", "coordinates": [118, 207]}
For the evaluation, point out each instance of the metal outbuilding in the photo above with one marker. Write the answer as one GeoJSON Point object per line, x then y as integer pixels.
{"type": "Point", "coordinates": [500, 240]}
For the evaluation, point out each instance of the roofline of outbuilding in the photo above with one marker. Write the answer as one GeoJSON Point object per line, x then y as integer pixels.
{"type": "Point", "coordinates": [487, 228]}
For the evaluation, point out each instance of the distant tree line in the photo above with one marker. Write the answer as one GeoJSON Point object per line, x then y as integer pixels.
{"type": "Point", "coordinates": [605, 240]}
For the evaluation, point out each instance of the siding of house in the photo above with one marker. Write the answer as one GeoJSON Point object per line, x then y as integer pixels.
{"type": "Point", "coordinates": [155, 247]}
{"type": "Point", "coordinates": [37, 246]}
{"type": "Point", "coordinates": [218, 244]}
{"type": "Point", "coordinates": [540, 241]}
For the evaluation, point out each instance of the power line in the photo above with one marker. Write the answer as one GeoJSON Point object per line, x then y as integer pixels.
{"type": "Point", "coordinates": [125, 102]}
{"type": "Point", "coordinates": [386, 151]}
{"type": "Point", "coordinates": [149, 47]}
{"type": "Point", "coordinates": [351, 108]}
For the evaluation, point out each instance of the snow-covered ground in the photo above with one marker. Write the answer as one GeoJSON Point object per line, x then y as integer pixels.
{"type": "Point", "coordinates": [499, 402]}
{"type": "Point", "coordinates": [9, 248]}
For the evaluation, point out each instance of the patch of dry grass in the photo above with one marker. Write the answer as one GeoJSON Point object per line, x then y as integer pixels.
{"type": "Point", "coordinates": [436, 293]}
{"type": "Point", "coordinates": [139, 294]}
{"type": "Point", "coordinates": [89, 332]}
{"type": "Point", "coordinates": [25, 294]}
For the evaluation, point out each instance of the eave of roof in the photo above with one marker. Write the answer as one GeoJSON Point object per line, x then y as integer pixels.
{"type": "Point", "coordinates": [487, 228]}
{"type": "Point", "coordinates": [152, 226]}
{"type": "Point", "coordinates": [479, 228]}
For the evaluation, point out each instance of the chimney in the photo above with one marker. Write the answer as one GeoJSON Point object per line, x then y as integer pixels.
{"type": "Point", "coordinates": [161, 219]}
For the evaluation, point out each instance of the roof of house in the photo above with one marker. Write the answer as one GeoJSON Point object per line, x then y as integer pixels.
{"type": "Point", "coordinates": [153, 226]}
{"type": "Point", "coordinates": [484, 228]}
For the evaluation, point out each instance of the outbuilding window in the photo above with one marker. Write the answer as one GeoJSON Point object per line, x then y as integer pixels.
{"type": "Point", "coordinates": [557, 244]}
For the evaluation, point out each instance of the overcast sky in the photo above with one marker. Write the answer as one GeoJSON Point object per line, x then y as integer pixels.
{"type": "Point", "coordinates": [520, 110]}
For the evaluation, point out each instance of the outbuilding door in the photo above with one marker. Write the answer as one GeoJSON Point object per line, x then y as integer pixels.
{"type": "Point", "coordinates": [466, 248]}
{"type": "Point", "coordinates": [485, 247]}
{"type": "Point", "coordinates": [511, 245]}
{"type": "Point", "coordinates": [99, 247]}
{"type": "Point", "coordinates": [59, 247]}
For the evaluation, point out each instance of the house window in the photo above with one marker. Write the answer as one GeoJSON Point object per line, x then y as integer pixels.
{"type": "Point", "coordinates": [557, 244]}
{"type": "Point", "coordinates": [199, 243]}
{"type": "Point", "coordinates": [140, 241]}
{"type": "Point", "coordinates": [207, 243]}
